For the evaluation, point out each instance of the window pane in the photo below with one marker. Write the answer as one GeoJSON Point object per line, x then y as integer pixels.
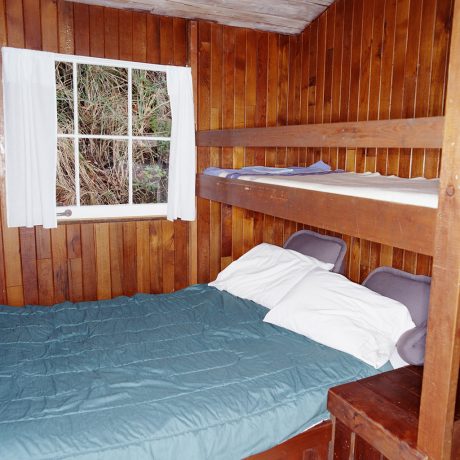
{"type": "Point", "coordinates": [103, 172]}
{"type": "Point", "coordinates": [103, 100]}
{"type": "Point", "coordinates": [64, 96]}
{"type": "Point", "coordinates": [151, 109]}
{"type": "Point", "coordinates": [150, 171]}
{"type": "Point", "coordinates": [65, 173]}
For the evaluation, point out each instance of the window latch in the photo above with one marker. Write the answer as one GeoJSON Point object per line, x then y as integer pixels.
{"type": "Point", "coordinates": [66, 213]}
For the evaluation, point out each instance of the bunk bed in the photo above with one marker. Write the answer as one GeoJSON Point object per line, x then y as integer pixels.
{"type": "Point", "coordinates": [351, 215]}
{"type": "Point", "coordinates": [422, 229]}
{"type": "Point", "coordinates": [357, 216]}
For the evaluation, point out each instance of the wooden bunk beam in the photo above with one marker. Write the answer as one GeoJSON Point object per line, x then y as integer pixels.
{"type": "Point", "coordinates": [402, 226]}
{"type": "Point", "coordinates": [440, 379]}
{"type": "Point", "coordinates": [404, 133]}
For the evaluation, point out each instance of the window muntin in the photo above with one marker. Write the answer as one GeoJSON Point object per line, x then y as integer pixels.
{"type": "Point", "coordinates": [120, 147]}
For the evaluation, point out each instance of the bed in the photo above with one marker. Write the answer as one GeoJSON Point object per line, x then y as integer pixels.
{"type": "Point", "coordinates": [417, 191]}
{"type": "Point", "coordinates": [385, 209]}
{"type": "Point", "coordinates": [417, 223]}
{"type": "Point", "coordinates": [319, 177]}
{"type": "Point", "coordinates": [196, 373]}
{"type": "Point", "coordinates": [158, 376]}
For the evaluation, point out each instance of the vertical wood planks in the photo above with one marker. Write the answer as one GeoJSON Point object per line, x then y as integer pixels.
{"type": "Point", "coordinates": [142, 257]}
{"type": "Point", "coordinates": [215, 85]}
{"type": "Point", "coordinates": [436, 432]}
{"type": "Point", "coordinates": [59, 255]}
{"type": "Point", "coordinates": [129, 279]}
{"type": "Point", "coordinates": [75, 266]}
{"type": "Point", "coordinates": [102, 242]}
{"type": "Point", "coordinates": [116, 258]}
{"type": "Point", "coordinates": [15, 23]}
{"type": "Point", "coordinates": [360, 60]}
{"type": "Point", "coordinates": [91, 261]}
{"type": "Point", "coordinates": [203, 122]}
{"type": "Point", "coordinates": [239, 121]}
{"type": "Point", "coordinates": [181, 237]}
{"type": "Point", "coordinates": [29, 265]}
{"type": "Point", "coordinates": [32, 32]}
{"type": "Point", "coordinates": [13, 270]}
{"type": "Point", "coordinates": [156, 257]}
{"type": "Point", "coordinates": [44, 266]}
{"type": "Point", "coordinates": [192, 60]}
{"type": "Point", "coordinates": [167, 236]}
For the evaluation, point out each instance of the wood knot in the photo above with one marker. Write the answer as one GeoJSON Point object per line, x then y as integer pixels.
{"type": "Point", "coordinates": [450, 190]}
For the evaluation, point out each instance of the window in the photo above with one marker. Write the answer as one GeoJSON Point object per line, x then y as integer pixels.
{"type": "Point", "coordinates": [113, 135]}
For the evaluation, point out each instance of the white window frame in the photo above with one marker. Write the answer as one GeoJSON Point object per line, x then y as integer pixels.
{"type": "Point", "coordinates": [108, 211]}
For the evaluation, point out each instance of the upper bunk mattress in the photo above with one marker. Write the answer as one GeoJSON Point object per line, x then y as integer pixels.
{"type": "Point", "coordinates": [195, 374]}
{"type": "Point", "coordinates": [417, 191]}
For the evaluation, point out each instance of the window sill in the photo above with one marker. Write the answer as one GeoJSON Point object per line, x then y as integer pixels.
{"type": "Point", "coordinates": [106, 220]}
{"type": "Point", "coordinates": [111, 213]}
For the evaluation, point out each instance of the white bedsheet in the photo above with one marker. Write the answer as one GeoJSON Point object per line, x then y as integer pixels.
{"type": "Point", "coordinates": [417, 191]}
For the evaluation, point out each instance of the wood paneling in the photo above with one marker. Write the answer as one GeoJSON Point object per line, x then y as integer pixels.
{"type": "Point", "coordinates": [409, 227]}
{"type": "Point", "coordinates": [407, 132]}
{"type": "Point", "coordinates": [312, 444]}
{"type": "Point", "coordinates": [442, 360]}
{"type": "Point", "coordinates": [378, 417]}
{"type": "Point", "coordinates": [361, 60]}
{"type": "Point", "coordinates": [88, 261]}
{"type": "Point", "coordinates": [358, 61]}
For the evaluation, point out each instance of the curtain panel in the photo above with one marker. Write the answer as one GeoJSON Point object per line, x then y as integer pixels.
{"type": "Point", "coordinates": [29, 93]}
{"type": "Point", "coordinates": [182, 156]}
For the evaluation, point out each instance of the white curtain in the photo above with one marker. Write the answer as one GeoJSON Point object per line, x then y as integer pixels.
{"type": "Point", "coordinates": [182, 156]}
{"type": "Point", "coordinates": [29, 92]}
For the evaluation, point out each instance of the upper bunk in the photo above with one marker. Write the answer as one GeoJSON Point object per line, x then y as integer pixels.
{"type": "Point", "coordinates": [399, 221]}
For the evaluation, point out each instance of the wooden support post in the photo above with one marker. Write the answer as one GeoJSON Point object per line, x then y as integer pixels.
{"type": "Point", "coordinates": [193, 63]}
{"type": "Point", "coordinates": [443, 340]}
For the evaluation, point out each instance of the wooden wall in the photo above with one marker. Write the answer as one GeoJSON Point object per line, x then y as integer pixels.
{"type": "Point", "coordinates": [90, 261]}
{"type": "Point", "coordinates": [360, 60]}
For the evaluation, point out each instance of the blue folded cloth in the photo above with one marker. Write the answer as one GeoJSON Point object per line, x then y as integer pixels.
{"type": "Point", "coordinates": [317, 168]}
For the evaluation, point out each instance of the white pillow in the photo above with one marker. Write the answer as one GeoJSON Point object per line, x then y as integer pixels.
{"type": "Point", "coordinates": [266, 273]}
{"type": "Point", "coordinates": [396, 361]}
{"type": "Point", "coordinates": [334, 311]}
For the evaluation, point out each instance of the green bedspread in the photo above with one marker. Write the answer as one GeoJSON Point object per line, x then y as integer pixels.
{"type": "Point", "coordinates": [195, 374]}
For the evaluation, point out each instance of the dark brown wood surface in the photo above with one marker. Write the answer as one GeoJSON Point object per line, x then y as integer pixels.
{"type": "Point", "coordinates": [393, 224]}
{"type": "Point", "coordinates": [312, 444]}
{"type": "Point", "coordinates": [347, 445]}
{"type": "Point", "coordinates": [384, 412]}
{"type": "Point", "coordinates": [443, 340]}
{"type": "Point", "coordinates": [250, 79]}
{"type": "Point", "coordinates": [455, 454]}
{"type": "Point", "coordinates": [408, 133]}
{"type": "Point", "coordinates": [92, 260]}
{"type": "Point", "coordinates": [361, 60]}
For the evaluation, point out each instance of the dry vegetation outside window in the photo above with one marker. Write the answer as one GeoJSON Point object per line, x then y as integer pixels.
{"type": "Point", "coordinates": [117, 164]}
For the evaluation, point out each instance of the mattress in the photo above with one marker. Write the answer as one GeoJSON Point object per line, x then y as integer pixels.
{"type": "Point", "coordinates": [196, 373]}
{"type": "Point", "coordinates": [417, 191]}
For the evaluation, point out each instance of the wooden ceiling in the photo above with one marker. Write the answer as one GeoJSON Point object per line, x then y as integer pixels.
{"type": "Point", "coordinates": [284, 16]}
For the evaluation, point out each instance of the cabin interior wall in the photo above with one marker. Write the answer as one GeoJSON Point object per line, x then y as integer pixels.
{"type": "Point", "coordinates": [360, 60]}
{"type": "Point", "coordinates": [88, 261]}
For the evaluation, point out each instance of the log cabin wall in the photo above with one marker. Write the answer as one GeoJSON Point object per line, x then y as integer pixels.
{"type": "Point", "coordinates": [360, 60]}
{"type": "Point", "coordinates": [87, 261]}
